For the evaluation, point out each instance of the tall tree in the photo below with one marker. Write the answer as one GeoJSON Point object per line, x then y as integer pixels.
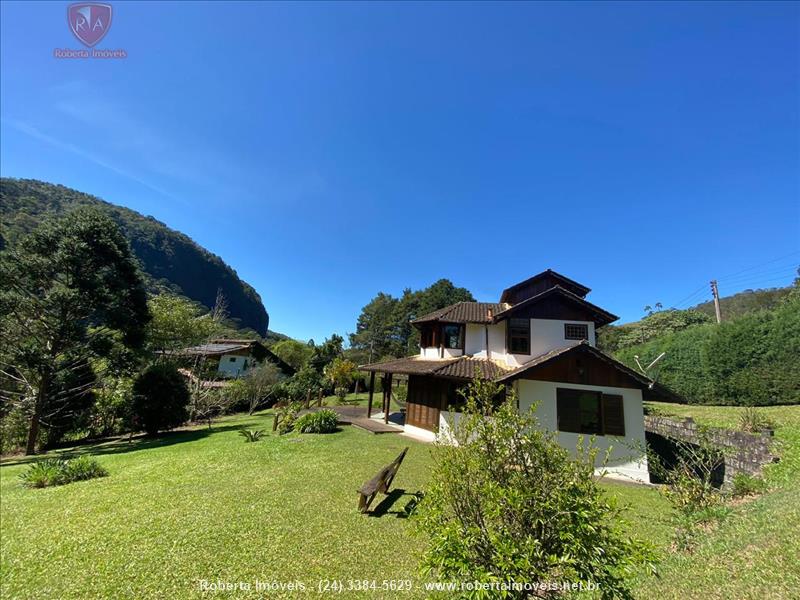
{"type": "Point", "coordinates": [68, 292]}
{"type": "Point", "coordinates": [376, 327]}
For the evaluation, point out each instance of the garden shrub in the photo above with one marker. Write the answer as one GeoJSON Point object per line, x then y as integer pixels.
{"type": "Point", "coordinates": [56, 471]}
{"type": "Point", "coordinates": [747, 485]}
{"type": "Point", "coordinates": [287, 415]}
{"type": "Point", "coordinates": [160, 399]}
{"type": "Point", "coordinates": [507, 503]}
{"type": "Point", "coordinates": [321, 421]}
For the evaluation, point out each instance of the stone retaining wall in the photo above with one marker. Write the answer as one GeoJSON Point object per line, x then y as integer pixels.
{"type": "Point", "coordinates": [744, 452]}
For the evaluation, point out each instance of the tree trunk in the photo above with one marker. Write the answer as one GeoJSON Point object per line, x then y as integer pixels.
{"type": "Point", "coordinates": [33, 430]}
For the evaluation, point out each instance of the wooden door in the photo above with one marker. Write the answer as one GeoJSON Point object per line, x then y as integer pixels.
{"type": "Point", "coordinates": [424, 402]}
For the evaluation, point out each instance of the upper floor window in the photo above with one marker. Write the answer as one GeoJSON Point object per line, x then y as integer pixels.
{"type": "Point", "coordinates": [452, 338]}
{"type": "Point", "coordinates": [576, 331]}
{"type": "Point", "coordinates": [519, 336]}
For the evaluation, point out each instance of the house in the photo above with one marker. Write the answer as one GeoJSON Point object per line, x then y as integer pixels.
{"type": "Point", "coordinates": [539, 339]}
{"type": "Point", "coordinates": [232, 358]}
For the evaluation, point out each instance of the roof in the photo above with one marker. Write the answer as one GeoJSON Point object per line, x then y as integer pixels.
{"type": "Point", "coordinates": [464, 312]}
{"type": "Point", "coordinates": [463, 367]}
{"type": "Point", "coordinates": [656, 390]}
{"type": "Point", "coordinates": [578, 288]}
{"type": "Point", "coordinates": [602, 317]}
{"type": "Point", "coordinates": [214, 348]}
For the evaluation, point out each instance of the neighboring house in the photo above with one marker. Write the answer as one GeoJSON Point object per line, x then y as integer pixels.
{"type": "Point", "coordinates": [540, 339]}
{"type": "Point", "coordinates": [233, 358]}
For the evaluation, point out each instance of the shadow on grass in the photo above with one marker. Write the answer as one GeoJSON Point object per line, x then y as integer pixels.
{"type": "Point", "coordinates": [124, 444]}
{"type": "Point", "coordinates": [393, 497]}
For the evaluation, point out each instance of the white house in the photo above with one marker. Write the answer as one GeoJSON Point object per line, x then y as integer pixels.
{"type": "Point", "coordinates": [540, 339]}
{"type": "Point", "coordinates": [232, 358]}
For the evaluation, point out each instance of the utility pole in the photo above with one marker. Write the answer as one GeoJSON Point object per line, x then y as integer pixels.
{"type": "Point", "coordinates": [715, 292]}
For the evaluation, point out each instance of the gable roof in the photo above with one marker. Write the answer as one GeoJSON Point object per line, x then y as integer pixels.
{"type": "Point", "coordinates": [220, 347]}
{"type": "Point", "coordinates": [463, 367]}
{"type": "Point", "coordinates": [653, 390]}
{"type": "Point", "coordinates": [565, 282]}
{"type": "Point", "coordinates": [600, 317]}
{"type": "Point", "coordinates": [463, 312]}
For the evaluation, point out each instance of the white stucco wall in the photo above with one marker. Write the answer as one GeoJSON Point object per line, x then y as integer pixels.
{"type": "Point", "coordinates": [627, 456]}
{"type": "Point", "coordinates": [546, 335]}
{"type": "Point", "coordinates": [433, 352]}
{"type": "Point", "coordinates": [475, 343]}
{"type": "Point", "coordinates": [233, 368]}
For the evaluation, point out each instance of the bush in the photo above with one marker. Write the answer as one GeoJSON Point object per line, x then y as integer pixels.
{"type": "Point", "coordinates": [287, 415]}
{"type": "Point", "coordinates": [507, 503]}
{"type": "Point", "coordinates": [251, 435]}
{"type": "Point", "coordinates": [55, 471]}
{"type": "Point", "coordinates": [747, 485]}
{"type": "Point", "coordinates": [753, 420]}
{"type": "Point", "coordinates": [160, 399]}
{"type": "Point", "coordinates": [321, 421]}
{"type": "Point", "coordinates": [82, 468]}
{"type": "Point", "coordinates": [43, 473]}
{"type": "Point", "coordinates": [13, 431]}
{"type": "Point", "coordinates": [341, 394]}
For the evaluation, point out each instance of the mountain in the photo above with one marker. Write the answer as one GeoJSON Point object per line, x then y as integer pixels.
{"type": "Point", "coordinates": [171, 260]}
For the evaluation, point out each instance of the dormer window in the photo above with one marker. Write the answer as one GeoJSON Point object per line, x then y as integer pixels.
{"type": "Point", "coordinates": [576, 331]}
{"type": "Point", "coordinates": [519, 336]}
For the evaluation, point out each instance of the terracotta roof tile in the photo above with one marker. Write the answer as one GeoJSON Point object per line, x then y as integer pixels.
{"type": "Point", "coordinates": [464, 312]}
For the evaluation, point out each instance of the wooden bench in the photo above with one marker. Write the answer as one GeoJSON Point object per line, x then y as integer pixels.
{"type": "Point", "coordinates": [379, 483]}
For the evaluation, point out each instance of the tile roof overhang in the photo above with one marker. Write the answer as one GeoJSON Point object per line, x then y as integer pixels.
{"type": "Point", "coordinates": [463, 312]}
{"type": "Point", "coordinates": [601, 317]}
{"type": "Point", "coordinates": [462, 367]}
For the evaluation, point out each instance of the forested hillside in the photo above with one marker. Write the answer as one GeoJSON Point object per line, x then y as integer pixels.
{"type": "Point", "coordinates": [171, 260]}
{"type": "Point", "coordinates": [750, 359]}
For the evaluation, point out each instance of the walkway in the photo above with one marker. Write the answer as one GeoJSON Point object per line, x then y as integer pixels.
{"type": "Point", "coordinates": [357, 416]}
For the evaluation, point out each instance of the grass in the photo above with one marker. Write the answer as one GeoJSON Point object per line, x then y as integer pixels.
{"type": "Point", "coordinates": [203, 504]}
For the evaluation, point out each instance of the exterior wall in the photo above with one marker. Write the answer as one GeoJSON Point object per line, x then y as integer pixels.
{"type": "Point", "coordinates": [235, 367]}
{"type": "Point", "coordinates": [627, 456]}
{"type": "Point", "coordinates": [419, 433]}
{"type": "Point", "coordinates": [433, 352]}
{"type": "Point", "coordinates": [475, 344]}
{"type": "Point", "coordinates": [546, 335]}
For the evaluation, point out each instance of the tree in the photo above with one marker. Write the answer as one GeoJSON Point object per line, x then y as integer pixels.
{"type": "Point", "coordinates": [259, 385]}
{"type": "Point", "coordinates": [331, 349]}
{"type": "Point", "coordinates": [341, 373]}
{"type": "Point", "coordinates": [68, 292]}
{"type": "Point", "coordinates": [297, 354]}
{"type": "Point", "coordinates": [178, 323]}
{"type": "Point", "coordinates": [507, 503]}
{"type": "Point", "coordinates": [160, 398]}
{"type": "Point", "coordinates": [375, 328]}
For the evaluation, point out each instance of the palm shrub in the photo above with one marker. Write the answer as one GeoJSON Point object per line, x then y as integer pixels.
{"type": "Point", "coordinates": [251, 435]}
{"type": "Point", "coordinates": [506, 503]}
{"type": "Point", "coordinates": [753, 420]}
{"type": "Point", "coordinates": [43, 473]}
{"type": "Point", "coordinates": [55, 471]}
{"type": "Point", "coordinates": [287, 415]}
{"type": "Point", "coordinates": [321, 421]}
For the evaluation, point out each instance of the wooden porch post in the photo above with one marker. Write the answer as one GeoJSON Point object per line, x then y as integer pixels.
{"type": "Point", "coordinates": [388, 398]}
{"type": "Point", "coordinates": [371, 391]}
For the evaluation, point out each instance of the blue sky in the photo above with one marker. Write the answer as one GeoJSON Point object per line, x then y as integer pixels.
{"type": "Point", "coordinates": [331, 151]}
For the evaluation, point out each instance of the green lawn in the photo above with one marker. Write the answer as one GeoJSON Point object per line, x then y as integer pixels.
{"type": "Point", "coordinates": [196, 505]}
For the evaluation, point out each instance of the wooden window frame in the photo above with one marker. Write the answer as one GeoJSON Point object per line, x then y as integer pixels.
{"type": "Point", "coordinates": [610, 413]}
{"type": "Point", "coordinates": [461, 328]}
{"type": "Point", "coordinates": [510, 337]}
{"type": "Point", "coordinates": [569, 336]}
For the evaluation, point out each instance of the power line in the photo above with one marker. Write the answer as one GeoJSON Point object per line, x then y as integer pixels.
{"type": "Point", "coordinates": [761, 265]}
